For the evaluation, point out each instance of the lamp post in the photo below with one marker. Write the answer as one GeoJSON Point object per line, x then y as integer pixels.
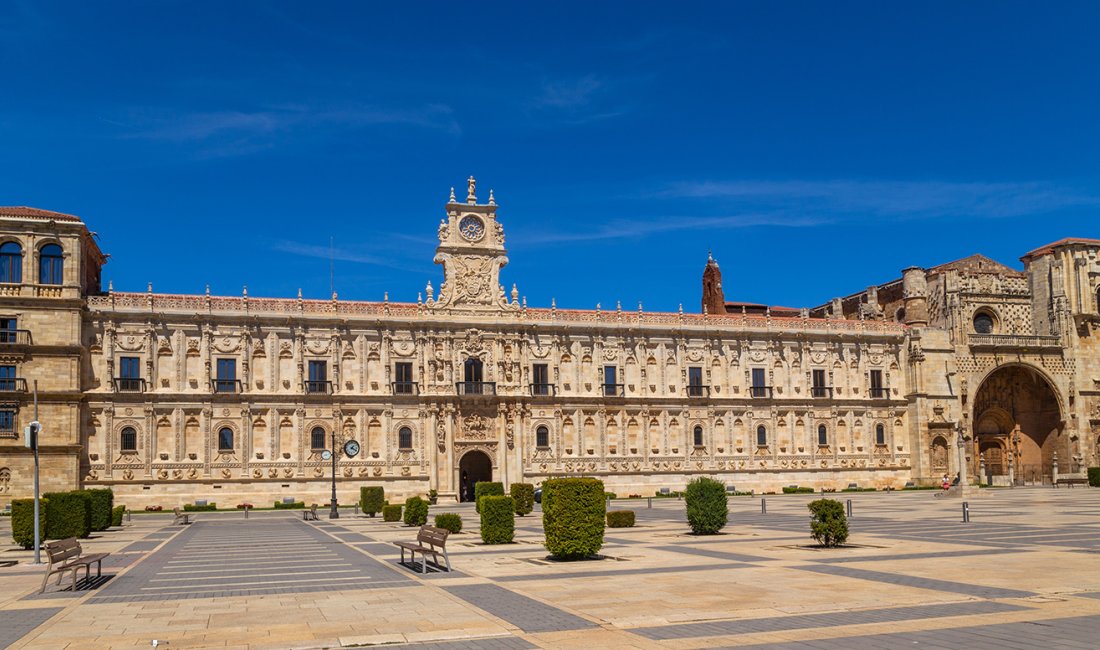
{"type": "Point", "coordinates": [334, 511]}
{"type": "Point", "coordinates": [961, 437]}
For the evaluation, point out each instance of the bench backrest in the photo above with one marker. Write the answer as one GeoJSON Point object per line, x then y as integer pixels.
{"type": "Point", "coordinates": [176, 511]}
{"type": "Point", "coordinates": [313, 508]}
{"type": "Point", "coordinates": [63, 550]}
{"type": "Point", "coordinates": [432, 536]}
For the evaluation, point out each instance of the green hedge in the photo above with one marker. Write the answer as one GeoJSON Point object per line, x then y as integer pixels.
{"type": "Point", "coordinates": [794, 489]}
{"type": "Point", "coordinates": [828, 525]}
{"type": "Point", "coordinates": [117, 513]}
{"type": "Point", "coordinates": [391, 513]}
{"type": "Point", "coordinates": [450, 521]}
{"type": "Point", "coordinates": [498, 519]}
{"type": "Point", "coordinates": [22, 521]}
{"type": "Point", "coordinates": [279, 505]}
{"type": "Point", "coordinates": [707, 507]}
{"type": "Point", "coordinates": [69, 515]}
{"type": "Point", "coordinates": [1094, 476]}
{"type": "Point", "coordinates": [210, 507]}
{"type": "Point", "coordinates": [524, 496]}
{"type": "Point", "coordinates": [573, 517]}
{"type": "Point", "coordinates": [416, 511]}
{"type": "Point", "coordinates": [371, 499]}
{"type": "Point", "coordinates": [485, 489]}
{"type": "Point", "coordinates": [103, 500]}
{"type": "Point", "coordinates": [620, 518]}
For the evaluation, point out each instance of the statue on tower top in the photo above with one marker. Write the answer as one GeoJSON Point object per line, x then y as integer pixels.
{"type": "Point", "coordinates": [471, 191]}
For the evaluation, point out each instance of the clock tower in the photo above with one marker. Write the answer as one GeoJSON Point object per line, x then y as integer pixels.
{"type": "Point", "coordinates": [471, 250]}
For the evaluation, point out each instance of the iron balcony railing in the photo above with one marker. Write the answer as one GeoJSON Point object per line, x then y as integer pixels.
{"type": "Point", "coordinates": [405, 388]}
{"type": "Point", "coordinates": [760, 391]}
{"type": "Point", "coordinates": [226, 385]}
{"type": "Point", "coordinates": [881, 392]}
{"type": "Point", "coordinates": [476, 387]}
{"type": "Point", "coordinates": [821, 391]}
{"type": "Point", "coordinates": [13, 385]}
{"type": "Point", "coordinates": [613, 390]}
{"type": "Point", "coordinates": [544, 390]}
{"type": "Point", "coordinates": [129, 384]}
{"type": "Point", "coordinates": [15, 337]}
{"type": "Point", "coordinates": [698, 390]}
{"type": "Point", "coordinates": [318, 387]}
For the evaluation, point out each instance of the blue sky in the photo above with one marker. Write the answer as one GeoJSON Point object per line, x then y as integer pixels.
{"type": "Point", "coordinates": [816, 147]}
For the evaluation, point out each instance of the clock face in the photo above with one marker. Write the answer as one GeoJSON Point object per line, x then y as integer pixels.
{"type": "Point", "coordinates": [471, 227]}
{"type": "Point", "coordinates": [326, 455]}
{"type": "Point", "coordinates": [351, 448]}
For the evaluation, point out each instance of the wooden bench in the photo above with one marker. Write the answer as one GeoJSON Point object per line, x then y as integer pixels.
{"type": "Point", "coordinates": [181, 517]}
{"type": "Point", "coordinates": [1071, 481]}
{"type": "Point", "coordinates": [311, 514]}
{"type": "Point", "coordinates": [429, 541]}
{"type": "Point", "coordinates": [67, 555]}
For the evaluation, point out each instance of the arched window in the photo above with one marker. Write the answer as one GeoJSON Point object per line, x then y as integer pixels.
{"type": "Point", "coordinates": [761, 436]}
{"type": "Point", "coordinates": [128, 441]}
{"type": "Point", "coordinates": [225, 439]}
{"type": "Point", "coordinates": [542, 437]}
{"type": "Point", "coordinates": [880, 434]}
{"type": "Point", "coordinates": [49, 264]}
{"type": "Point", "coordinates": [983, 323]}
{"type": "Point", "coordinates": [822, 435]}
{"type": "Point", "coordinates": [11, 262]}
{"type": "Point", "coordinates": [405, 438]}
{"type": "Point", "coordinates": [317, 438]}
{"type": "Point", "coordinates": [697, 436]}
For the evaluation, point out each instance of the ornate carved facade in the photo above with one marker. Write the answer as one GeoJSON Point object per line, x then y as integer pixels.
{"type": "Point", "coordinates": [168, 398]}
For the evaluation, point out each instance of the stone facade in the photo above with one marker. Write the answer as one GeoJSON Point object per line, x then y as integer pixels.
{"type": "Point", "coordinates": [172, 398]}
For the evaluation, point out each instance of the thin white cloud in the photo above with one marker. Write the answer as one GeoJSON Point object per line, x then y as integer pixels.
{"type": "Point", "coordinates": [633, 228]}
{"type": "Point", "coordinates": [325, 252]}
{"type": "Point", "coordinates": [575, 101]}
{"type": "Point", "coordinates": [568, 94]}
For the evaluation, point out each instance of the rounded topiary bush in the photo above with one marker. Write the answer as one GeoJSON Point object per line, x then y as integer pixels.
{"type": "Point", "coordinates": [828, 525]}
{"type": "Point", "coordinates": [524, 496]}
{"type": "Point", "coordinates": [391, 513]}
{"type": "Point", "coordinates": [371, 499]}
{"type": "Point", "coordinates": [1094, 476]}
{"type": "Point", "coordinates": [450, 521]}
{"type": "Point", "coordinates": [573, 517]}
{"type": "Point", "coordinates": [22, 521]}
{"type": "Point", "coordinates": [117, 513]}
{"type": "Point", "coordinates": [69, 514]}
{"type": "Point", "coordinates": [416, 511]}
{"type": "Point", "coordinates": [620, 518]}
{"type": "Point", "coordinates": [103, 499]}
{"type": "Point", "coordinates": [707, 508]}
{"type": "Point", "coordinates": [498, 519]}
{"type": "Point", "coordinates": [485, 489]}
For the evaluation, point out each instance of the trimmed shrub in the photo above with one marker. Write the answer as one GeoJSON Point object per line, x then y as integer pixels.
{"type": "Point", "coordinates": [620, 518]}
{"type": "Point", "coordinates": [22, 521]}
{"type": "Point", "coordinates": [450, 521]}
{"type": "Point", "coordinates": [210, 507]}
{"type": "Point", "coordinates": [69, 515]}
{"type": "Point", "coordinates": [498, 519]}
{"type": "Point", "coordinates": [794, 489]}
{"type": "Point", "coordinates": [573, 517]}
{"type": "Point", "coordinates": [1094, 476]}
{"type": "Point", "coordinates": [117, 513]}
{"type": "Point", "coordinates": [103, 500]}
{"type": "Point", "coordinates": [391, 513]}
{"type": "Point", "coordinates": [416, 511]}
{"type": "Point", "coordinates": [524, 496]}
{"type": "Point", "coordinates": [707, 507]}
{"type": "Point", "coordinates": [279, 505]}
{"type": "Point", "coordinates": [485, 489]}
{"type": "Point", "coordinates": [828, 525]}
{"type": "Point", "coordinates": [371, 499]}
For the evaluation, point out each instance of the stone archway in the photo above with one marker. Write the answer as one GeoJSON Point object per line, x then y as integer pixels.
{"type": "Point", "coordinates": [475, 466]}
{"type": "Point", "coordinates": [1018, 414]}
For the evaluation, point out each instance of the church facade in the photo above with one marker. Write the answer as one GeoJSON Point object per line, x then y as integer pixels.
{"type": "Point", "coordinates": [969, 367]}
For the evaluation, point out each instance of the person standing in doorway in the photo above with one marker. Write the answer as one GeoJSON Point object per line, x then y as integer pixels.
{"type": "Point", "coordinates": [466, 486]}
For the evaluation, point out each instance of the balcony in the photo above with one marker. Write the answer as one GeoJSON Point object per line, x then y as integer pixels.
{"type": "Point", "coordinates": [543, 390]}
{"type": "Point", "coordinates": [760, 392]}
{"type": "Point", "coordinates": [15, 337]}
{"type": "Point", "coordinates": [226, 385]}
{"type": "Point", "coordinates": [129, 385]}
{"type": "Point", "coordinates": [476, 387]}
{"type": "Point", "coordinates": [405, 387]}
{"type": "Point", "coordinates": [613, 390]}
{"type": "Point", "coordinates": [698, 390]}
{"type": "Point", "coordinates": [1013, 342]}
{"type": "Point", "coordinates": [880, 392]}
{"type": "Point", "coordinates": [821, 392]}
{"type": "Point", "coordinates": [318, 387]}
{"type": "Point", "coordinates": [13, 385]}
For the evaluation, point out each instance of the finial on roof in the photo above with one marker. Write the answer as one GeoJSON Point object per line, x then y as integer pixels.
{"type": "Point", "coordinates": [553, 303]}
{"type": "Point", "coordinates": [110, 286]}
{"type": "Point", "coordinates": [299, 293]}
{"type": "Point", "coordinates": [207, 289]}
{"type": "Point", "coordinates": [452, 199]}
{"type": "Point", "coordinates": [492, 201]}
{"type": "Point", "coordinates": [244, 290]}
{"type": "Point", "coordinates": [429, 291]}
{"type": "Point", "coordinates": [471, 190]}
{"type": "Point", "coordinates": [150, 289]}
{"type": "Point", "coordinates": [385, 296]}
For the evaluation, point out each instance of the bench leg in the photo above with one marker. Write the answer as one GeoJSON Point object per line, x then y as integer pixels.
{"type": "Point", "coordinates": [423, 562]}
{"type": "Point", "coordinates": [447, 559]}
{"type": "Point", "coordinates": [45, 581]}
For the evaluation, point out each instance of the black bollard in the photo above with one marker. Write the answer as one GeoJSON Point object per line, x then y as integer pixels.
{"type": "Point", "coordinates": [849, 508]}
{"type": "Point", "coordinates": [966, 512]}
{"type": "Point", "coordinates": [763, 506]}
{"type": "Point", "coordinates": [246, 508]}
{"type": "Point", "coordinates": [649, 502]}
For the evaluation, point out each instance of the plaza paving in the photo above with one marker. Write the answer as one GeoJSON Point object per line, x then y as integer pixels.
{"type": "Point", "coordinates": [1024, 573]}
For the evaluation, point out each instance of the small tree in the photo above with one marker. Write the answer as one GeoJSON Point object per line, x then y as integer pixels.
{"type": "Point", "coordinates": [524, 496]}
{"type": "Point", "coordinates": [498, 519]}
{"type": "Point", "coordinates": [117, 513]}
{"type": "Point", "coordinates": [707, 508]}
{"type": "Point", "coordinates": [371, 499]}
{"type": "Point", "coordinates": [22, 521]}
{"type": "Point", "coordinates": [450, 521]}
{"type": "Point", "coordinates": [828, 525]}
{"type": "Point", "coordinates": [416, 511]}
{"type": "Point", "coordinates": [391, 513]}
{"type": "Point", "coordinates": [485, 489]}
{"type": "Point", "coordinates": [573, 517]}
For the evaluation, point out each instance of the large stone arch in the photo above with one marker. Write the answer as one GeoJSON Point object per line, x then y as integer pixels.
{"type": "Point", "coordinates": [1017, 415]}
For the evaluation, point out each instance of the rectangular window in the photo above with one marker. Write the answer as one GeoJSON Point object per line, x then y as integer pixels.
{"type": "Point", "coordinates": [7, 378]}
{"type": "Point", "coordinates": [318, 377]}
{"type": "Point", "coordinates": [129, 374]}
{"type": "Point", "coordinates": [760, 386]}
{"type": "Point", "coordinates": [226, 381]}
{"type": "Point", "coordinates": [610, 385]}
{"type": "Point", "coordinates": [877, 389]}
{"type": "Point", "coordinates": [7, 421]}
{"type": "Point", "coordinates": [695, 382]}
{"type": "Point", "coordinates": [819, 388]}
{"type": "Point", "coordinates": [7, 330]}
{"type": "Point", "coordinates": [403, 383]}
{"type": "Point", "coordinates": [540, 379]}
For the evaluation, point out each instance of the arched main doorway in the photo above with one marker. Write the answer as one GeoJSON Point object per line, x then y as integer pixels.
{"type": "Point", "coordinates": [1017, 421]}
{"type": "Point", "coordinates": [474, 467]}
